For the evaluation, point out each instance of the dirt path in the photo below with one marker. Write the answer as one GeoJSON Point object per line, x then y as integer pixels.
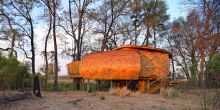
{"type": "Point", "coordinates": [75, 100]}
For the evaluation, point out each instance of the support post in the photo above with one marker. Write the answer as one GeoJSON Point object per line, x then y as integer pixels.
{"type": "Point", "coordinates": [88, 85]}
{"type": "Point", "coordinates": [111, 84]}
{"type": "Point", "coordinates": [148, 85]}
{"type": "Point", "coordinates": [74, 84]}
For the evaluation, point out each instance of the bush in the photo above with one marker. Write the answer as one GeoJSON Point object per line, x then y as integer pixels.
{"type": "Point", "coordinates": [213, 66]}
{"type": "Point", "coordinates": [169, 92]}
{"type": "Point", "coordinates": [104, 85]}
{"type": "Point", "coordinates": [102, 98]}
{"type": "Point", "coordinates": [92, 87]}
{"type": "Point", "coordinates": [65, 86]}
{"type": "Point", "coordinates": [13, 74]}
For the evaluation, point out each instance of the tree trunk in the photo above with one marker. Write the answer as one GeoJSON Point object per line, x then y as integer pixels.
{"type": "Point", "coordinates": [12, 44]}
{"type": "Point", "coordinates": [155, 43]}
{"type": "Point", "coordinates": [55, 47]}
{"type": "Point", "coordinates": [45, 54]}
{"type": "Point", "coordinates": [193, 68]}
{"type": "Point", "coordinates": [79, 35]}
{"type": "Point", "coordinates": [104, 43]}
{"type": "Point", "coordinates": [135, 30]}
{"type": "Point", "coordinates": [148, 35]}
{"type": "Point", "coordinates": [32, 48]}
{"type": "Point", "coordinates": [173, 67]}
{"type": "Point", "coordinates": [202, 62]}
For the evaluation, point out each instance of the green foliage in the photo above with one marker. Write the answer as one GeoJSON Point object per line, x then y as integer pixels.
{"type": "Point", "coordinates": [213, 65]}
{"type": "Point", "coordinates": [61, 86]}
{"type": "Point", "coordinates": [92, 87]}
{"type": "Point", "coordinates": [104, 85]}
{"type": "Point", "coordinates": [65, 86]}
{"type": "Point", "coordinates": [155, 12]}
{"type": "Point", "coordinates": [150, 13]}
{"type": "Point", "coordinates": [13, 74]}
{"type": "Point", "coordinates": [102, 98]}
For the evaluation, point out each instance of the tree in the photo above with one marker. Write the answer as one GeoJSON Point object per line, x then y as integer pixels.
{"type": "Point", "coordinates": [47, 15]}
{"type": "Point", "coordinates": [10, 30]}
{"type": "Point", "coordinates": [76, 18]}
{"type": "Point", "coordinates": [168, 35]}
{"type": "Point", "coordinates": [154, 17]}
{"type": "Point", "coordinates": [213, 66]}
{"type": "Point", "coordinates": [49, 68]}
{"type": "Point", "coordinates": [106, 16]}
{"type": "Point", "coordinates": [76, 24]}
{"type": "Point", "coordinates": [136, 9]}
{"type": "Point", "coordinates": [185, 37]}
{"type": "Point", "coordinates": [151, 13]}
{"type": "Point", "coordinates": [21, 10]}
{"type": "Point", "coordinates": [209, 10]}
{"type": "Point", "coordinates": [54, 6]}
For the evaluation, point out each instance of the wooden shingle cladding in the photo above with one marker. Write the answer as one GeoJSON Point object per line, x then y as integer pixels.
{"type": "Point", "coordinates": [73, 69]}
{"type": "Point", "coordinates": [154, 61]}
{"type": "Point", "coordinates": [112, 65]}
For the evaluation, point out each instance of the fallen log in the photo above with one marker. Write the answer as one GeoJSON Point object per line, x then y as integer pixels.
{"type": "Point", "coordinates": [13, 96]}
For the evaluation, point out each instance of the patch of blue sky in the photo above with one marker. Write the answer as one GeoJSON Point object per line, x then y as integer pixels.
{"type": "Point", "coordinates": [176, 9]}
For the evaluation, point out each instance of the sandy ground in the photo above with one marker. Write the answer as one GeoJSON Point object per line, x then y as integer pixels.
{"type": "Point", "coordinates": [76, 100]}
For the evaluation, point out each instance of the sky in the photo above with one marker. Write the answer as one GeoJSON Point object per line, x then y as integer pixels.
{"type": "Point", "coordinates": [175, 10]}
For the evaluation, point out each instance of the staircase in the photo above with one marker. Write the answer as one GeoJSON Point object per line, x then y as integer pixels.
{"type": "Point", "coordinates": [154, 87]}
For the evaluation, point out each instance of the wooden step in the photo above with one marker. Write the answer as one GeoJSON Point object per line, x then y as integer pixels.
{"type": "Point", "coordinates": [154, 90]}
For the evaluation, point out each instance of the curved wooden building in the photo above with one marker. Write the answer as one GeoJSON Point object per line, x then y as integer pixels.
{"type": "Point", "coordinates": [128, 63]}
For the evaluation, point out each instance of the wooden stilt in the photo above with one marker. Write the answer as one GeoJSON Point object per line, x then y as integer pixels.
{"type": "Point", "coordinates": [74, 84]}
{"type": "Point", "coordinates": [81, 84]}
{"type": "Point", "coordinates": [88, 83]}
{"type": "Point", "coordinates": [111, 84]}
{"type": "Point", "coordinates": [148, 85]}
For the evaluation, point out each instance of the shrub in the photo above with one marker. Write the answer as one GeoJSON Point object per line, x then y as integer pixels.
{"type": "Point", "coordinates": [102, 98]}
{"type": "Point", "coordinates": [92, 87]}
{"type": "Point", "coordinates": [168, 92]}
{"type": "Point", "coordinates": [172, 93]}
{"type": "Point", "coordinates": [213, 66]}
{"type": "Point", "coordinates": [13, 74]}
{"type": "Point", "coordinates": [104, 85]}
{"type": "Point", "coordinates": [65, 86]}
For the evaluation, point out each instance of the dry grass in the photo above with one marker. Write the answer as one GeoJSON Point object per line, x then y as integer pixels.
{"type": "Point", "coordinates": [163, 92]}
{"type": "Point", "coordinates": [62, 79]}
{"type": "Point", "coordinates": [135, 93]}
{"type": "Point", "coordinates": [123, 92]}
{"type": "Point", "coordinates": [114, 91]}
{"type": "Point", "coordinates": [168, 92]}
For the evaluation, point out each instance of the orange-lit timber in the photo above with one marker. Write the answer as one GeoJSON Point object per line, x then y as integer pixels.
{"type": "Point", "coordinates": [112, 65]}
{"type": "Point", "coordinates": [73, 69]}
{"type": "Point", "coordinates": [154, 66]}
{"type": "Point", "coordinates": [154, 61]}
{"type": "Point", "coordinates": [146, 65]}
